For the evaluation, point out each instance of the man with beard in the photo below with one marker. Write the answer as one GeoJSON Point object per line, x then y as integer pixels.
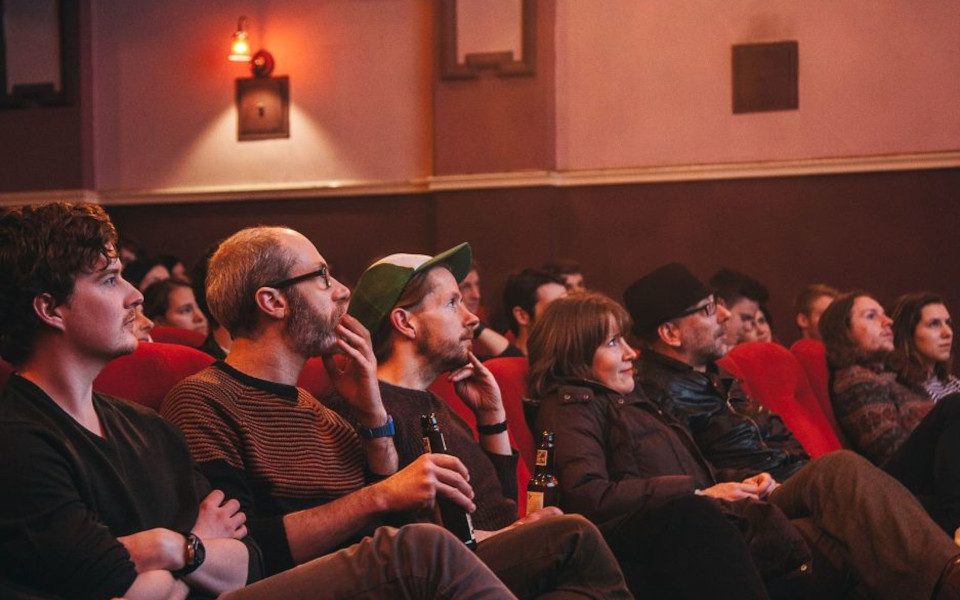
{"type": "Point", "coordinates": [298, 469]}
{"type": "Point", "coordinates": [862, 519]}
{"type": "Point", "coordinates": [421, 329]}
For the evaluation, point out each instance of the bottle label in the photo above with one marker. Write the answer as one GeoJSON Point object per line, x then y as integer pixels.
{"type": "Point", "coordinates": [534, 501]}
{"type": "Point", "coordinates": [426, 445]}
{"type": "Point", "coordinates": [542, 457]}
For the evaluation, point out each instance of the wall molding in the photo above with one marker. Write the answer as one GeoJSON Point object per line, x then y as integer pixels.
{"type": "Point", "coordinates": [519, 179]}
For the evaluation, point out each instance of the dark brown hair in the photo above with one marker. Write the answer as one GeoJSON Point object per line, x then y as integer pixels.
{"type": "Point", "coordinates": [842, 350]}
{"type": "Point", "coordinates": [42, 250]}
{"type": "Point", "coordinates": [909, 363]}
{"type": "Point", "coordinates": [564, 340]}
{"type": "Point", "coordinates": [156, 298]}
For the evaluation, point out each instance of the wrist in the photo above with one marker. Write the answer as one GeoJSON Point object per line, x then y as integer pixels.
{"type": "Point", "coordinates": [491, 417]}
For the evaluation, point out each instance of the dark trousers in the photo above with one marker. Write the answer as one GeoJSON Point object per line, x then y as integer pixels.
{"type": "Point", "coordinates": [555, 557]}
{"type": "Point", "coordinates": [686, 548]}
{"type": "Point", "coordinates": [865, 522]}
{"type": "Point", "coordinates": [928, 463]}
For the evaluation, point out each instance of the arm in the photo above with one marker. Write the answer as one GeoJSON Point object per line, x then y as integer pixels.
{"type": "Point", "coordinates": [157, 585]}
{"type": "Point", "coordinates": [478, 389]}
{"type": "Point", "coordinates": [488, 342]}
{"type": "Point", "coordinates": [870, 417]}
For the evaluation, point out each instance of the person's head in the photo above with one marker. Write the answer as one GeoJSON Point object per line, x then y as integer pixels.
{"type": "Point", "coordinates": [764, 330]}
{"type": "Point", "coordinates": [526, 294]}
{"type": "Point", "coordinates": [143, 272]}
{"type": "Point", "coordinates": [273, 278]}
{"type": "Point", "coordinates": [60, 283]}
{"type": "Point", "coordinates": [742, 295]}
{"type": "Point", "coordinates": [143, 326]}
{"type": "Point", "coordinates": [922, 337]}
{"type": "Point", "coordinates": [809, 306]}
{"type": "Point", "coordinates": [413, 301]}
{"type": "Point", "coordinates": [175, 266]}
{"type": "Point", "coordinates": [856, 330]}
{"type": "Point", "coordinates": [675, 314]}
{"type": "Point", "coordinates": [170, 302]}
{"type": "Point", "coordinates": [470, 289]}
{"type": "Point", "coordinates": [581, 337]}
{"type": "Point", "coordinates": [569, 272]}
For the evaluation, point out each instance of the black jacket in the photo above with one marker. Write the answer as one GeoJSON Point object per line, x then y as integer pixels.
{"type": "Point", "coordinates": [737, 435]}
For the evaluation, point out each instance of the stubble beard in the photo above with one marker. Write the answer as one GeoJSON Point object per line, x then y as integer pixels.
{"type": "Point", "coordinates": [313, 333]}
{"type": "Point", "coordinates": [443, 355]}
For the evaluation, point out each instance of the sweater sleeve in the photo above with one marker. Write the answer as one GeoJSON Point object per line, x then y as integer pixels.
{"type": "Point", "coordinates": [868, 414]}
{"type": "Point", "coordinates": [47, 533]}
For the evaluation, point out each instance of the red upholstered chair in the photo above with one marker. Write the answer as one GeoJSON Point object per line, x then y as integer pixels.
{"type": "Point", "coordinates": [147, 375]}
{"type": "Point", "coordinates": [176, 335]}
{"type": "Point", "coordinates": [315, 379]}
{"type": "Point", "coordinates": [772, 375]}
{"type": "Point", "coordinates": [812, 356]}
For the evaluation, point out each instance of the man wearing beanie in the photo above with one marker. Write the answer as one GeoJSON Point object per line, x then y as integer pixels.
{"type": "Point", "coordinates": [421, 330]}
{"type": "Point", "coordinates": [862, 519]}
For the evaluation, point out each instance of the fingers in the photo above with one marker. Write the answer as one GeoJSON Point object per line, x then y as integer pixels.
{"type": "Point", "coordinates": [448, 462]}
{"type": "Point", "coordinates": [215, 498]}
{"type": "Point", "coordinates": [455, 492]}
{"type": "Point", "coordinates": [465, 372]}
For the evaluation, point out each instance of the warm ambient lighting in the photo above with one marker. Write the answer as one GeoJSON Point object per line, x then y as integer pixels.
{"type": "Point", "coordinates": [240, 48]}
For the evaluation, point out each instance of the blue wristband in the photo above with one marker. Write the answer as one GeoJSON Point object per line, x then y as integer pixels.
{"type": "Point", "coordinates": [386, 430]}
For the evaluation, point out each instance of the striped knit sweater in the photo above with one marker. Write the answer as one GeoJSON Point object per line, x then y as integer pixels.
{"type": "Point", "coordinates": [273, 447]}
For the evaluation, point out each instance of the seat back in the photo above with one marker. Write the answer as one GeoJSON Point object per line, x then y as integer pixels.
{"type": "Point", "coordinates": [772, 375]}
{"type": "Point", "coordinates": [812, 356]}
{"type": "Point", "coordinates": [315, 379]}
{"type": "Point", "coordinates": [146, 375]}
{"type": "Point", "coordinates": [176, 335]}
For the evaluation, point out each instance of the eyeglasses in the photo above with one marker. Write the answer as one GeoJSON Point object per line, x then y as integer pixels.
{"type": "Point", "coordinates": [321, 272]}
{"type": "Point", "coordinates": [709, 309]}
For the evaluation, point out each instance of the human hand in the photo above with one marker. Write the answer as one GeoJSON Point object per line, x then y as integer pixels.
{"type": "Point", "coordinates": [219, 519]}
{"type": "Point", "coordinates": [765, 483]}
{"type": "Point", "coordinates": [417, 485]}
{"type": "Point", "coordinates": [356, 378]}
{"type": "Point", "coordinates": [540, 513]}
{"type": "Point", "coordinates": [155, 549]}
{"type": "Point", "coordinates": [478, 389]}
{"type": "Point", "coordinates": [731, 490]}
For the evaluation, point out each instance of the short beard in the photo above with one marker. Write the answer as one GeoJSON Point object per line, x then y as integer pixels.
{"type": "Point", "coordinates": [312, 335]}
{"type": "Point", "coordinates": [442, 356]}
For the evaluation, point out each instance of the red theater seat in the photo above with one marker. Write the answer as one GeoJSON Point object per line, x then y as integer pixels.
{"type": "Point", "coordinates": [315, 379]}
{"type": "Point", "coordinates": [812, 356]}
{"type": "Point", "coordinates": [147, 375]}
{"type": "Point", "coordinates": [176, 335]}
{"type": "Point", "coordinates": [772, 375]}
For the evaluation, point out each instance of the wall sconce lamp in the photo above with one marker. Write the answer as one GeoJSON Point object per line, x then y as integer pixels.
{"type": "Point", "coordinates": [263, 102]}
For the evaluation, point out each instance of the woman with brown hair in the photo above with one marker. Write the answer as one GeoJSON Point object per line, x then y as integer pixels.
{"type": "Point", "coordinates": [898, 427]}
{"type": "Point", "coordinates": [923, 341]}
{"type": "Point", "coordinates": [624, 468]}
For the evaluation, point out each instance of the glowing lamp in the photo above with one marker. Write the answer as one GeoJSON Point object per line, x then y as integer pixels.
{"type": "Point", "coordinates": [240, 48]}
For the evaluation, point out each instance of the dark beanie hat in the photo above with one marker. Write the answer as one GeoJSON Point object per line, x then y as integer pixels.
{"type": "Point", "coordinates": [662, 295]}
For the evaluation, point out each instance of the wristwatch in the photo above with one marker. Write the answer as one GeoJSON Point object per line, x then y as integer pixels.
{"type": "Point", "coordinates": [385, 430]}
{"type": "Point", "coordinates": [194, 552]}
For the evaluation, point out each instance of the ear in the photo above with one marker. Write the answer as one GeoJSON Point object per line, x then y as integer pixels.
{"type": "Point", "coordinates": [403, 322]}
{"type": "Point", "coordinates": [803, 321]}
{"type": "Point", "coordinates": [669, 334]}
{"type": "Point", "coordinates": [271, 302]}
{"type": "Point", "coordinates": [522, 316]}
{"type": "Point", "coordinates": [48, 310]}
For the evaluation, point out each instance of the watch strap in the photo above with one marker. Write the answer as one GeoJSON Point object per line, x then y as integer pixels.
{"type": "Point", "coordinates": [195, 554]}
{"type": "Point", "coordinates": [385, 430]}
{"type": "Point", "coordinates": [493, 429]}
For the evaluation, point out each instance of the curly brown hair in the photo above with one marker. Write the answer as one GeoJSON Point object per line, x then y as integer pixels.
{"type": "Point", "coordinates": [842, 349]}
{"type": "Point", "coordinates": [42, 250]}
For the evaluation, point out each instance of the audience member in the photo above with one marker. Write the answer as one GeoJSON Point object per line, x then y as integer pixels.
{"type": "Point", "coordinates": [764, 329]}
{"type": "Point", "coordinates": [143, 326]}
{"type": "Point", "coordinates": [809, 305]}
{"type": "Point", "coordinates": [525, 295]}
{"type": "Point", "coordinates": [569, 272]}
{"type": "Point", "coordinates": [615, 468]}
{"type": "Point", "coordinates": [742, 296]}
{"type": "Point", "coordinates": [218, 340]}
{"type": "Point", "coordinates": [170, 302]}
{"type": "Point", "coordinates": [867, 521]}
{"type": "Point", "coordinates": [275, 294]}
{"type": "Point", "coordinates": [422, 330]}
{"type": "Point", "coordinates": [923, 343]}
{"type": "Point", "coordinates": [487, 343]}
{"type": "Point", "coordinates": [175, 266]}
{"type": "Point", "coordinates": [97, 491]}
{"type": "Point", "coordinates": [895, 426]}
{"type": "Point", "coordinates": [143, 272]}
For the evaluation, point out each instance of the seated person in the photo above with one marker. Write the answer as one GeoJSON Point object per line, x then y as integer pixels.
{"type": "Point", "coordinates": [923, 343]}
{"type": "Point", "coordinates": [742, 296]}
{"type": "Point", "coordinates": [850, 503]}
{"type": "Point", "coordinates": [895, 426]}
{"type": "Point", "coordinates": [569, 272]}
{"type": "Point", "coordinates": [809, 305]}
{"type": "Point", "coordinates": [170, 303]}
{"type": "Point", "coordinates": [100, 497]}
{"type": "Point", "coordinates": [764, 325]}
{"type": "Point", "coordinates": [299, 470]}
{"type": "Point", "coordinates": [487, 343]}
{"type": "Point", "coordinates": [640, 496]}
{"type": "Point", "coordinates": [143, 326]}
{"type": "Point", "coordinates": [175, 266]}
{"type": "Point", "coordinates": [218, 341]}
{"type": "Point", "coordinates": [143, 272]}
{"type": "Point", "coordinates": [525, 295]}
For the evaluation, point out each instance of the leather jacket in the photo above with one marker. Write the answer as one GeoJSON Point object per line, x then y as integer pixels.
{"type": "Point", "coordinates": [737, 435]}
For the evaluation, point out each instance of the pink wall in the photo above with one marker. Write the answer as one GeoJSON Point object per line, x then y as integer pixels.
{"type": "Point", "coordinates": [648, 83]}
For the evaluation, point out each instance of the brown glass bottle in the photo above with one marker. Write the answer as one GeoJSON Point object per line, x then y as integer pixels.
{"type": "Point", "coordinates": [543, 488]}
{"type": "Point", "coordinates": [452, 515]}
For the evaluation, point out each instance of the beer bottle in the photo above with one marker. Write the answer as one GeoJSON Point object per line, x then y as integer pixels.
{"type": "Point", "coordinates": [452, 515]}
{"type": "Point", "coordinates": [543, 489]}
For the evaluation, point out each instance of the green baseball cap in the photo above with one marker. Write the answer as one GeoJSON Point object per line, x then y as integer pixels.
{"type": "Point", "coordinates": [383, 282]}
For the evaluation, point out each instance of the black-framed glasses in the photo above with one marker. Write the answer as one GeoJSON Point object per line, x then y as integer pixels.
{"type": "Point", "coordinates": [709, 309]}
{"type": "Point", "coordinates": [323, 272]}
